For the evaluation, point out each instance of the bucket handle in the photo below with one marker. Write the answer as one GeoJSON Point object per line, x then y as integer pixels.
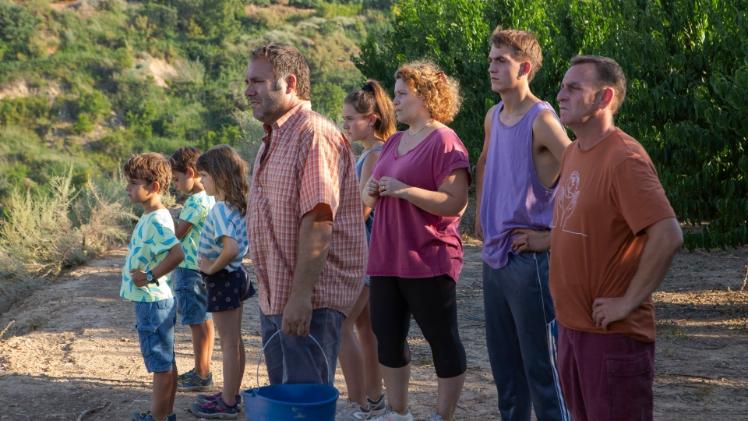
{"type": "Point", "coordinates": [277, 332]}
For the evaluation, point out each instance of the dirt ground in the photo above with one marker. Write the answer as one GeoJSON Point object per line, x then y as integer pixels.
{"type": "Point", "coordinates": [70, 348]}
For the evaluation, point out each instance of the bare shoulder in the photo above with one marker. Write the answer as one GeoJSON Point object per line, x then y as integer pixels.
{"type": "Point", "coordinates": [548, 131]}
{"type": "Point", "coordinates": [546, 119]}
{"type": "Point", "coordinates": [487, 121]}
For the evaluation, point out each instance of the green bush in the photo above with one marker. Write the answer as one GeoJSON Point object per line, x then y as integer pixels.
{"type": "Point", "coordinates": [17, 26]}
{"type": "Point", "coordinates": [39, 236]}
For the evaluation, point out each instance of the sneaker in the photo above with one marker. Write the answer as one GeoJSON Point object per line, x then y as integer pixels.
{"type": "Point", "coordinates": [215, 409]}
{"type": "Point", "coordinates": [351, 411]}
{"type": "Point", "coordinates": [377, 407]}
{"type": "Point", "coordinates": [146, 416]}
{"type": "Point", "coordinates": [201, 399]}
{"type": "Point", "coordinates": [192, 382]}
{"type": "Point", "coordinates": [435, 417]}
{"type": "Point", "coordinates": [391, 415]}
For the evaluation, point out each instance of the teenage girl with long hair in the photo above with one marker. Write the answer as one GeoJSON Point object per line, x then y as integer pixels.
{"type": "Point", "coordinates": [369, 118]}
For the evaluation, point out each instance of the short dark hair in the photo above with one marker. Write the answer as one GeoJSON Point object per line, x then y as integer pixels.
{"type": "Point", "coordinates": [609, 73]}
{"type": "Point", "coordinates": [287, 60]}
{"type": "Point", "coordinates": [149, 167]}
{"type": "Point", "coordinates": [184, 158]}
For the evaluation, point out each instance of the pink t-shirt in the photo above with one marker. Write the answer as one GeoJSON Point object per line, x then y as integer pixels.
{"type": "Point", "coordinates": [407, 241]}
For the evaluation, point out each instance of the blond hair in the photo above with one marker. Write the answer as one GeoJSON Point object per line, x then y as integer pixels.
{"type": "Point", "coordinates": [149, 167]}
{"type": "Point", "coordinates": [439, 92]}
{"type": "Point", "coordinates": [524, 44]}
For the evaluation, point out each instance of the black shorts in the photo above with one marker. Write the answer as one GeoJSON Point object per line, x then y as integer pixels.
{"type": "Point", "coordinates": [227, 290]}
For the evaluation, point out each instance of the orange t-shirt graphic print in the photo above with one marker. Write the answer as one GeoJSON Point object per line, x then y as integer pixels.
{"type": "Point", "coordinates": [607, 197]}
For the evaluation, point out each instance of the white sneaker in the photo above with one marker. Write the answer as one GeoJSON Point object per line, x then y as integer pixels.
{"type": "Point", "coordinates": [351, 411]}
{"type": "Point", "coordinates": [391, 415]}
{"type": "Point", "coordinates": [436, 417]}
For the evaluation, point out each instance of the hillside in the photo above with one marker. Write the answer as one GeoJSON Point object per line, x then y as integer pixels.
{"type": "Point", "coordinates": [86, 83]}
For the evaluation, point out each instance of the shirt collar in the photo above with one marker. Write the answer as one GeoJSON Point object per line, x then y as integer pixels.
{"type": "Point", "coordinates": [302, 106]}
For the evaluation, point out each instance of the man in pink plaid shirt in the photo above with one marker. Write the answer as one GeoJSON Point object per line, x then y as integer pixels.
{"type": "Point", "coordinates": [306, 233]}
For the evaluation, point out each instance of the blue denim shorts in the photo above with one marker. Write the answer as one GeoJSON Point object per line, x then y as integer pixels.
{"type": "Point", "coordinates": [155, 325]}
{"type": "Point", "coordinates": [192, 296]}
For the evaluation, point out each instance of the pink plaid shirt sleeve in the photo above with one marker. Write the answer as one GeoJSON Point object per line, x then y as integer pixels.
{"type": "Point", "coordinates": [320, 176]}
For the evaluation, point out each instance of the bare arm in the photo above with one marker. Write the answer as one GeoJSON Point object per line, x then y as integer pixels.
{"type": "Point", "coordinates": [228, 253]}
{"type": "Point", "coordinates": [664, 238]}
{"type": "Point", "coordinates": [480, 168]}
{"type": "Point", "coordinates": [173, 258]}
{"type": "Point", "coordinates": [449, 200]}
{"type": "Point", "coordinates": [315, 234]}
{"type": "Point", "coordinates": [182, 229]}
{"type": "Point", "coordinates": [548, 133]}
{"type": "Point", "coordinates": [368, 168]}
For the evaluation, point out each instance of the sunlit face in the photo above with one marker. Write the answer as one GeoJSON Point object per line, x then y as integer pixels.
{"type": "Point", "coordinates": [409, 107]}
{"type": "Point", "coordinates": [579, 96]}
{"type": "Point", "coordinates": [138, 191]}
{"type": "Point", "coordinates": [503, 69]}
{"type": "Point", "coordinates": [266, 95]}
{"type": "Point", "coordinates": [356, 125]}
{"type": "Point", "coordinates": [183, 182]}
{"type": "Point", "coordinates": [208, 184]}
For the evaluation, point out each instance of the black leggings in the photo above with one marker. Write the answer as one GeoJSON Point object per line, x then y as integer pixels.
{"type": "Point", "coordinates": [433, 303]}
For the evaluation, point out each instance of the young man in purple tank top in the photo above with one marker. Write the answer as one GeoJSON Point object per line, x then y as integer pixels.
{"type": "Point", "coordinates": [516, 176]}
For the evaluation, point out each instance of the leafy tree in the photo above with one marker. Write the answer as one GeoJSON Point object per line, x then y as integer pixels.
{"type": "Point", "coordinates": [687, 71]}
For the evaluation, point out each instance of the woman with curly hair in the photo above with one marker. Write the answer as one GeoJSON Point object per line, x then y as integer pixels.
{"type": "Point", "coordinates": [418, 190]}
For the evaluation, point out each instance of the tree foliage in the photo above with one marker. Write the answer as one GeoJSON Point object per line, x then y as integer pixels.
{"type": "Point", "coordinates": [687, 69]}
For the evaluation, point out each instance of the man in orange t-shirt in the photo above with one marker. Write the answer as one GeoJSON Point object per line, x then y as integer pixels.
{"type": "Point", "coordinates": [613, 238]}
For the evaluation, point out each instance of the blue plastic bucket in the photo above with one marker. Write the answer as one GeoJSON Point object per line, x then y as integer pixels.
{"type": "Point", "coordinates": [291, 402]}
{"type": "Point", "coordinates": [282, 402]}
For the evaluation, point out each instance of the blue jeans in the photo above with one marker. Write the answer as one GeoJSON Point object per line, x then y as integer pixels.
{"type": "Point", "coordinates": [192, 296]}
{"type": "Point", "coordinates": [521, 338]}
{"type": "Point", "coordinates": [155, 325]}
{"type": "Point", "coordinates": [297, 359]}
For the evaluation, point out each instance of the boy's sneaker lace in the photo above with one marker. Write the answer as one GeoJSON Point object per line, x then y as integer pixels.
{"type": "Point", "coordinates": [192, 382]}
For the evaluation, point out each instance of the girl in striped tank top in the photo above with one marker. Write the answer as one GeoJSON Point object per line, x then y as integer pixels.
{"type": "Point", "coordinates": [223, 244]}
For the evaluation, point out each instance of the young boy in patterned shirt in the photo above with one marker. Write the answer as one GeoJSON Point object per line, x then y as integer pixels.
{"type": "Point", "coordinates": [154, 251]}
{"type": "Point", "coordinates": [192, 295]}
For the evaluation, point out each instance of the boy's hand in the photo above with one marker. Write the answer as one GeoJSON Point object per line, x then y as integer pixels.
{"type": "Point", "coordinates": [138, 278]}
{"type": "Point", "coordinates": [530, 240]}
{"type": "Point", "coordinates": [206, 266]}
